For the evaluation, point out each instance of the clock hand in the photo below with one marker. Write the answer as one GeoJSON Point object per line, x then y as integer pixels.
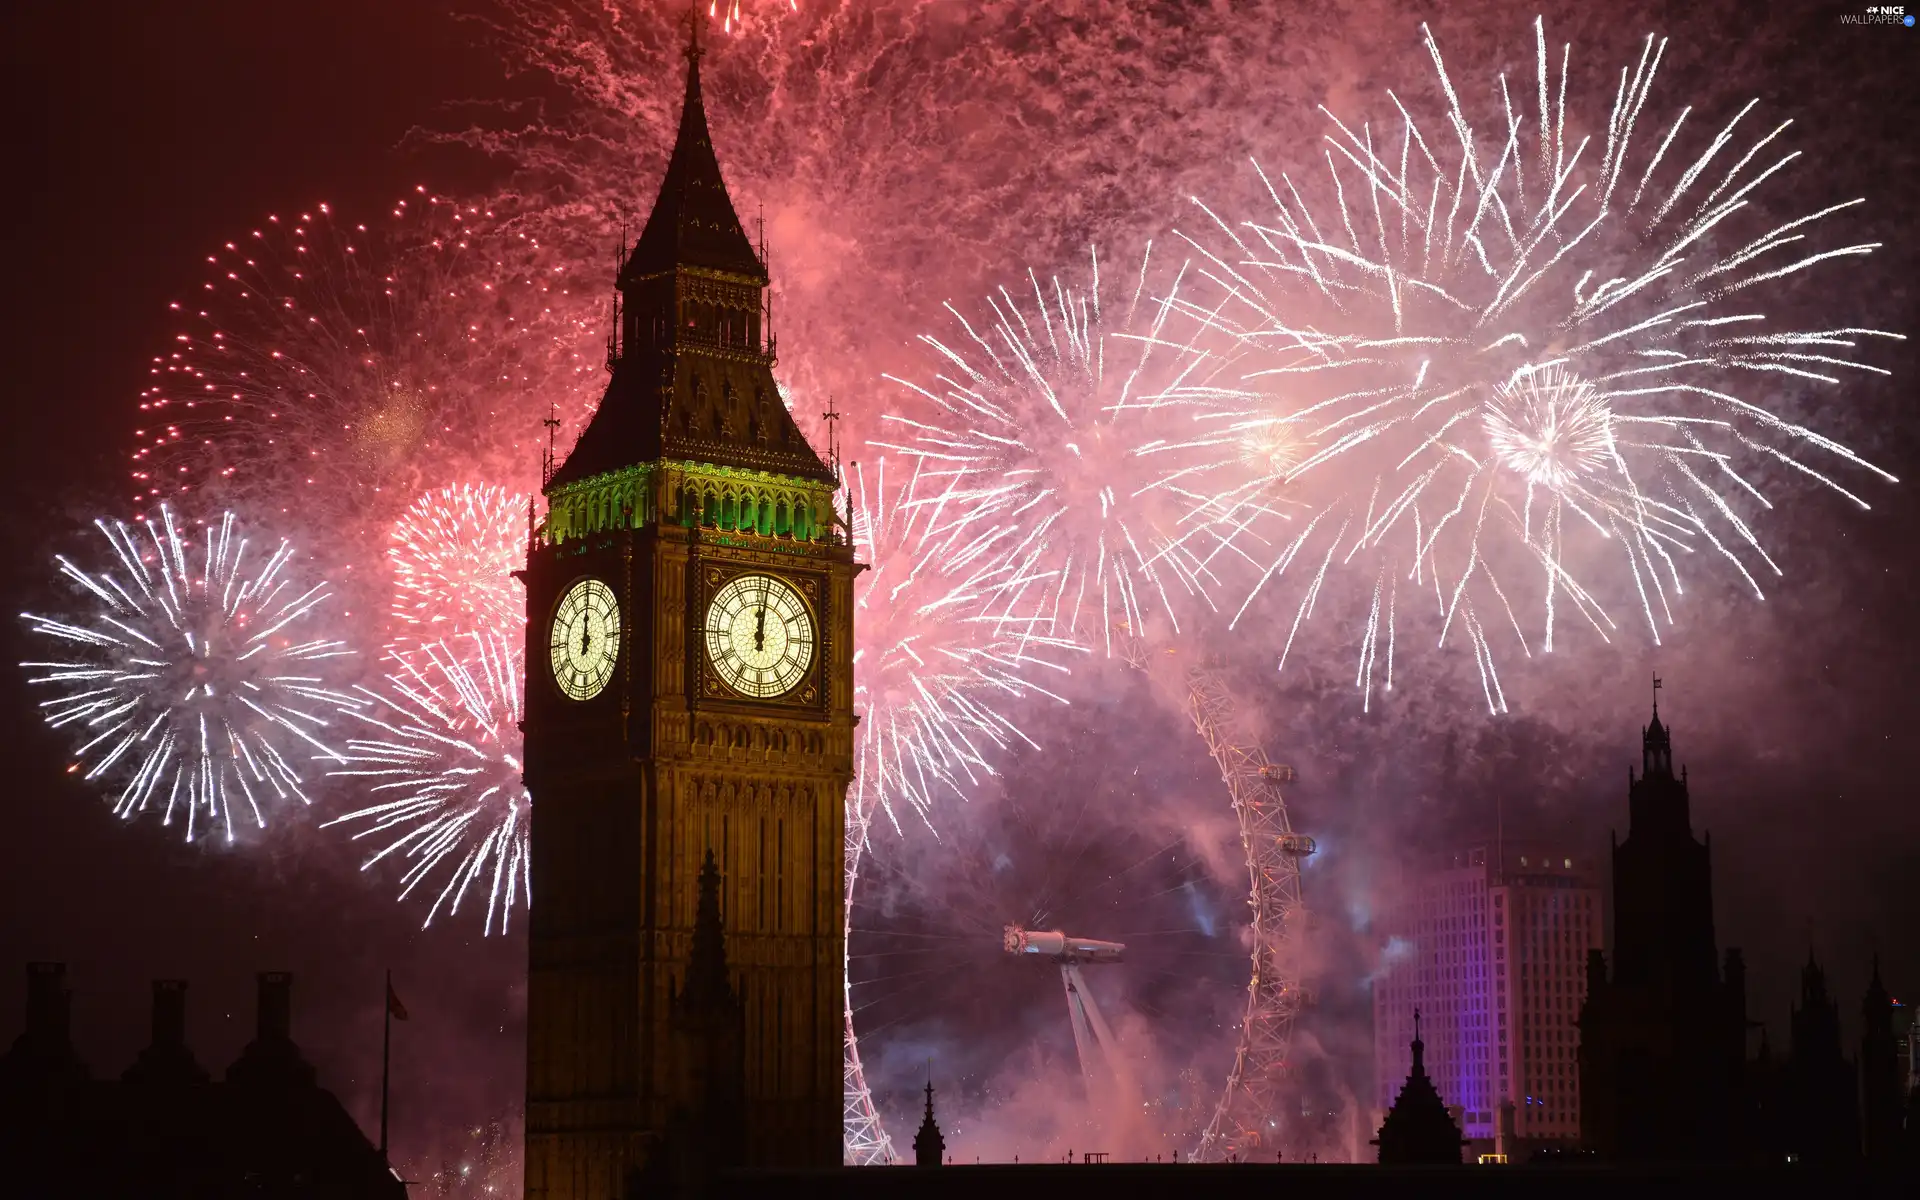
{"type": "Point", "coordinates": [760, 629]}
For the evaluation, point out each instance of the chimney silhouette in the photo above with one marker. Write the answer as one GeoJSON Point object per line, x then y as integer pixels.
{"type": "Point", "coordinates": [42, 1056]}
{"type": "Point", "coordinates": [271, 1058]}
{"type": "Point", "coordinates": [169, 1012]}
{"type": "Point", "coordinates": [48, 1002]}
{"type": "Point", "coordinates": [167, 1062]}
{"type": "Point", "coordinates": [276, 1007]}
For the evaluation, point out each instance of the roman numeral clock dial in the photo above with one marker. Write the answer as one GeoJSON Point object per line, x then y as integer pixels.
{"type": "Point", "coordinates": [585, 639]}
{"type": "Point", "coordinates": [759, 636]}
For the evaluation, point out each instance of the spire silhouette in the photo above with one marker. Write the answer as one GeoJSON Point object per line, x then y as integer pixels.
{"type": "Point", "coordinates": [1418, 1128]}
{"type": "Point", "coordinates": [1881, 1100]}
{"type": "Point", "coordinates": [708, 1122]}
{"type": "Point", "coordinates": [708, 987]}
{"type": "Point", "coordinates": [929, 1148]}
{"type": "Point", "coordinates": [692, 357]}
{"type": "Point", "coordinates": [1656, 761]}
{"type": "Point", "coordinates": [693, 223]}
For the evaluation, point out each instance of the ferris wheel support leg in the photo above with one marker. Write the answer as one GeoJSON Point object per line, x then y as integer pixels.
{"type": "Point", "coordinates": [1083, 1039]}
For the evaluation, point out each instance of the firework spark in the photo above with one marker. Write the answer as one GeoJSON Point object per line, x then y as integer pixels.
{"type": "Point", "coordinates": [342, 368]}
{"type": "Point", "coordinates": [198, 678]}
{"type": "Point", "coordinates": [1503, 358]}
{"type": "Point", "coordinates": [1045, 435]}
{"type": "Point", "coordinates": [934, 672]}
{"type": "Point", "coordinates": [731, 15]}
{"type": "Point", "coordinates": [1551, 428]}
{"type": "Point", "coordinates": [441, 753]}
{"type": "Point", "coordinates": [453, 553]}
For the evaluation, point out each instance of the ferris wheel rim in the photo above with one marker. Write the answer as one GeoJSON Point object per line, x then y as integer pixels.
{"type": "Point", "coordinates": [864, 1140]}
{"type": "Point", "coordinates": [1274, 894]}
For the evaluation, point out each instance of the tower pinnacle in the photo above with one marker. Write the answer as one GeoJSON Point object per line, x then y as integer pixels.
{"type": "Point", "coordinates": [693, 223]}
{"type": "Point", "coordinates": [1656, 743]}
{"type": "Point", "coordinates": [929, 1147]}
{"type": "Point", "coordinates": [691, 356]}
{"type": "Point", "coordinates": [707, 983]}
{"type": "Point", "coordinates": [1418, 1128]}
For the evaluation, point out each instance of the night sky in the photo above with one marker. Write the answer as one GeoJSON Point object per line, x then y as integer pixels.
{"type": "Point", "coordinates": [139, 139]}
{"type": "Point", "coordinates": [148, 137]}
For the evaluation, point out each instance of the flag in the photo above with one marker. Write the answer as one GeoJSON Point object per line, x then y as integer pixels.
{"type": "Point", "coordinates": [394, 1008]}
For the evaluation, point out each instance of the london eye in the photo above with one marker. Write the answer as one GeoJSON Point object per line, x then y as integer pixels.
{"type": "Point", "coordinates": [1114, 844]}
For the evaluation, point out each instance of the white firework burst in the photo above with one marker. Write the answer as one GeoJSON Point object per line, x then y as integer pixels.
{"type": "Point", "coordinates": [935, 673]}
{"type": "Point", "coordinates": [439, 753]}
{"type": "Point", "coordinates": [1507, 357]}
{"type": "Point", "coordinates": [1049, 439]}
{"type": "Point", "coordinates": [1551, 428]}
{"type": "Point", "coordinates": [197, 682]}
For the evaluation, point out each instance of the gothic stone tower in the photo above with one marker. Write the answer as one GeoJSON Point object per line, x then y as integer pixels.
{"type": "Point", "coordinates": [1662, 1040]}
{"type": "Point", "coordinates": [689, 691]}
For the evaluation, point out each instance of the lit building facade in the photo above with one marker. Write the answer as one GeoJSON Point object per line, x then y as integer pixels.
{"type": "Point", "coordinates": [1491, 949]}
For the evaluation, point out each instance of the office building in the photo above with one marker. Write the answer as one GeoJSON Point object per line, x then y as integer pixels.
{"type": "Point", "coordinates": [1491, 949]}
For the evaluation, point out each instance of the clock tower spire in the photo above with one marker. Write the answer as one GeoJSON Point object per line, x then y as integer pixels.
{"type": "Point", "coordinates": [689, 694]}
{"type": "Point", "coordinates": [692, 361]}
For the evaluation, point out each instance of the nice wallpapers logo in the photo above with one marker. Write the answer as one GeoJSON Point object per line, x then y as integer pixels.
{"type": "Point", "coordinates": [1879, 14]}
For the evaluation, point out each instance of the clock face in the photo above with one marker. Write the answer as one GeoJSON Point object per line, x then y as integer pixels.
{"type": "Point", "coordinates": [759, 636]}
{"type": "Point", "coordinates": [585, 639]}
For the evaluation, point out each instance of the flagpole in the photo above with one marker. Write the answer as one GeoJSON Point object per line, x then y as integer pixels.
{"type": "Point", "coordinates": [386, 1060]}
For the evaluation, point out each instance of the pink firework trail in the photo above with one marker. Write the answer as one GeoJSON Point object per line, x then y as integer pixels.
{"type": "Point", "coordinates": [439, 754]}
{"type": "Point", "coordinates": [1483, 354]}
{"type": "Point", "coordinates": [452, 554]}
{"type": "Point", "coordinates": [343, 367]}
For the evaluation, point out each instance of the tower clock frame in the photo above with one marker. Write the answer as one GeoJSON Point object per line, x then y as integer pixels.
{"type": "Point", "coordinates": [712, 574]}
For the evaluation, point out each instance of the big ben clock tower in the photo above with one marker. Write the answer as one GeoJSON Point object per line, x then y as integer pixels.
{"type": "Point", "coordinates": [689, 692]}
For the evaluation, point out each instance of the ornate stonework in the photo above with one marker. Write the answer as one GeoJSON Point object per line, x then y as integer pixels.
{"type": "Point", "coordinates": [691, 474]}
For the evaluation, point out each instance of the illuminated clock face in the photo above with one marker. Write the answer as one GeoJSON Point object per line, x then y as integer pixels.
{"type": "Point", "coordinates": [585, 639]}
{"type": "Point", "coordinates": [759, 636]}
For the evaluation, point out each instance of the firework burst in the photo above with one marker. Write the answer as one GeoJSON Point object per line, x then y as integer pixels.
{"type": "Point", "coordinates": [439, 751]}
{"type": "Point", "coordinates": [1550, 428]}
{"type": "Point", "coordinates": [198, 679]}
{"type": "Point", "coordinates": [1501, 359]}
{"type": "Point", "coordinates": [453, 553]}
{"type": "Point", "coordinates": [1044, 434]}
{"type": "Point", "coordinates": [934, 672]}
{"type": "Point", "coordinates": [341, 367]}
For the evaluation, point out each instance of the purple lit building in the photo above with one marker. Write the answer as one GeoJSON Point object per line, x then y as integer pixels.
{"type": "Point", "coordinates": [1492, 950]}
